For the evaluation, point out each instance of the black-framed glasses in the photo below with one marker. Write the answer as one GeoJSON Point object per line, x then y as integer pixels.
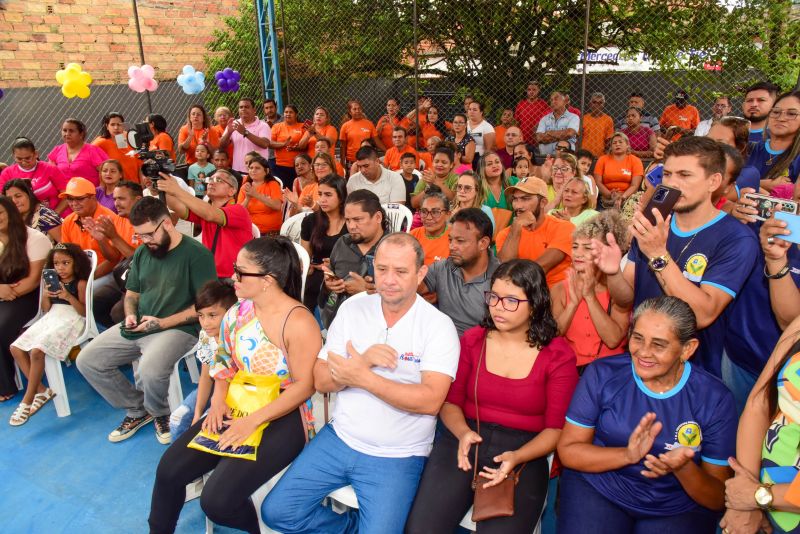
{"type": "Point", "coordinates": [510, 304]}
{"type": "Point", "coordinates": [149, 236]}
{"type": "Point", "coordinates": [238, 273]}
{"type": "Point", "coordinates": [435, 213]}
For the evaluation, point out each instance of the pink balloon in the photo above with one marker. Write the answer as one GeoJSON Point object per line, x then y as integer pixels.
{"type": "Point", "coordinates": [148, 71]}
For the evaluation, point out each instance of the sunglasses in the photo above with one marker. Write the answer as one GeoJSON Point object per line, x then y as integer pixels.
{"type": "Point", "coordinates": [238, 273]}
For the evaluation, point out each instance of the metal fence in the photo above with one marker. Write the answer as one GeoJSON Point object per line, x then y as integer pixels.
{"type": "Point", "coordinates": [444, 49]}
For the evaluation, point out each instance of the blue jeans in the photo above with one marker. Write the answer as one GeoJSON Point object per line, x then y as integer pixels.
{"type": "Point", "coordinates": [181, 418]}
{"type": "Point", "coordinates": [583, 509]}
{"type": "Point", "coordinates": [738, 380]}
{"type": "Point", "coordinates": [385, 488]}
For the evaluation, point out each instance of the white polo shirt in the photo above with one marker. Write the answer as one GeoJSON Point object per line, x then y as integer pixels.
{"type": "Point", "coordinates": [425, 340]}
{"type": "Point", "coordinates": [389, 187]}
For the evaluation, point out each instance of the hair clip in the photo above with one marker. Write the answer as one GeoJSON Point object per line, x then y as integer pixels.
{"type": "Point", "coordinates": [60, 246]}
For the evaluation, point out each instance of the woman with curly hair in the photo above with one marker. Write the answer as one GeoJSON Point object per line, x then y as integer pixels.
{"type": "Point", "coordinates": [518, 376]}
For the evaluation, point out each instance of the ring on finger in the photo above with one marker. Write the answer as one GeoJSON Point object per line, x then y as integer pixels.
{"type": "Point", "coordinates": [770, 240]}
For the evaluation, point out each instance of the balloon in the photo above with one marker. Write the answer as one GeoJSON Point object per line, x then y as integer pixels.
{"type": "Point", "coordinates": [74, 81]}
{"type": "Point", "coordinates": [192, 82]}
{"type": "Point", "coordinates": [141, 78]}
{"type": "Point", "coordinates": [227, 80]}
{"type": "Point", "coordinates": [1, 93]}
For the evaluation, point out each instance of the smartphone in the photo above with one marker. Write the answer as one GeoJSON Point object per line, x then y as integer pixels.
{"type": "Point", "coordinates": [307, 123]}
{"type": "Point", "coordinates": [51, 280]}
{"type": "Point", "coordinates": [663, 199]}
{"type": "Point", "coordinates": [766, 205]}
{"type": "Point", "coordinates": [370, 265]}
{"type": "Point", "coordinates": [792, 224]}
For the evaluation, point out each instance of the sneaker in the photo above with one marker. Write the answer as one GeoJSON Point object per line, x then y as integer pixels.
{"type": "Point", "coordinates": [163, 435]}
{"type": "Point", "coordinates": [128, 427]}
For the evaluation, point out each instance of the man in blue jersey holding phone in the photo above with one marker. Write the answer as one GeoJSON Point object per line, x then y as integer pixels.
{"type": "Point", "coordinates": [698, 254]}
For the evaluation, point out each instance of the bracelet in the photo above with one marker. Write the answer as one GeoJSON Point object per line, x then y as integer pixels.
{"type": "Point", "coordinates": [780, 274]}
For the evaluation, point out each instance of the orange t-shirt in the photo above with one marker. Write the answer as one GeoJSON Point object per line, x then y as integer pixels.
{"type": "Point", "coordinates": [500, 137]}
{"type": "Point", "coordinates": [163, 141]}
{"type": "Point", "coordinates": [687, 118]}
{"type": "Point", "coordinates": [310, 191]}
{"type": "Point", "coordinates": [429, 130]}
{"type": "Point", "coordinates": [130, 164]}
{"type": "Point", "coordinates": [386, 127]}
{"type": "Point", "coordinates": [353, 133]}
{"type": "Point", "coordinates": [329, 132]}
{"type": "Point", "coordinates": [596, 131]}
{"type": "Point", "coordinates": [213, 141]}
{"type": "Point", "coordinates": [617, 175]}
{"type": "Point", "coordinates": [282, 132]}
{"type": "Point", "coordinates": [391, 160]}
{"type": "Point", "coordinates": [265, 218]}
{"type": "Point", "coordinates": [552, 234]}
{"type": "Point", "coordinates": [437, 248]}
{"type": "Point", "coordinates": [427, 157]}
{"type": "Point", "coordinates": [72, 233]}
{"type": "Point", "coordinates": [220, 132]}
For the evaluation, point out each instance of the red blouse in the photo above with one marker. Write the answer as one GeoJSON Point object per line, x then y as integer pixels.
{"type": "Point", "coordinates": [533, 403]}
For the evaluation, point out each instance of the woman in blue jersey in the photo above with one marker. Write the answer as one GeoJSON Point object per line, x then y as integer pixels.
{"type": "Point", "coordinates": [648, 435]}
{"type": "Point", "coordinates": [767, 484]}
{"type": "Point", "coordinates": [778, 158]}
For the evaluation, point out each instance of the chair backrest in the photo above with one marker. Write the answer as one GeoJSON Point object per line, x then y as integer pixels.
{"type": "Point", "coordinates": [256, 232]}
{"type": "Point", "coordinates": [291, 226]}
{"type": "Point", "coordinates": [90, 330]}
{"type": "Point", "coordinates": [399, 217]}
{"type": "Point", "coordinates": [305, 261]}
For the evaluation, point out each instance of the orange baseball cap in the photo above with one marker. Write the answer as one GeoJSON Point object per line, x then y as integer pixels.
{"type": "Point", "coordinates": [78, 187]}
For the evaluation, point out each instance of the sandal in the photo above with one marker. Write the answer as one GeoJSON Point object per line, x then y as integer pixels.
{"type": "Point", "coordinates": [40, 399]}
{"type": "Point", "coordinates": [20, 415]}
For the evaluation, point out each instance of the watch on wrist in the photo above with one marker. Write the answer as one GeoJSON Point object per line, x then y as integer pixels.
{"type": "Point", "coordinates": [780, 274]}
{"type": "Point", "coordinates": [246, 133]}
{"type": "Point", "coordinates": [659, 263]}
{"type": "Point", "coordinates": [763, 496]}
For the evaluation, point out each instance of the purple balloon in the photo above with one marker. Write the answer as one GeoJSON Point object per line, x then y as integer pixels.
{"type": "Point", "coordinates": [222, 83]}
{"type": "Point", "coordinates": [1, 93]}
{"type": "Point", "coordinates": [219, 75]}
{"type": "Point", "coordinates": [227, 72]}
{"type": "Point", "coordinates": [236, 76]}
{"type": "Point", "coordinates": [235, 87]}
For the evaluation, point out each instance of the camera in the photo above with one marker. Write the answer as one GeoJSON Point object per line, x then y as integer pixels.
{"type": "Point", "coordinates": [153, 161]}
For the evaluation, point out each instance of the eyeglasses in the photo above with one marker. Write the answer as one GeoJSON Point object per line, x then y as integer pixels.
{"type": "Point", "coordinates": [562, 169]}
{"type": "Point", "coordinates": [435, 213]}
{"type": "Point", "coordinates": [510, 304]}
{"type": "Point", "coordinates": [78, 199]}
{"type": "Point", "coordinates": [320, 165]}
{"type": "Point", "coordinates": [462, 187]}
{"type": "Point", "coordinates": [216, 180]}
{"type": "Point", "coordinates": [791, 114]}
{"type": "Point", "coordinates": [149, 236]}
{"type": "Point", "coordinates": [238, 273]}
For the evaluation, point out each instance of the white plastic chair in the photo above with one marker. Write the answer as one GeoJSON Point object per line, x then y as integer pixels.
{"type": "Point", "coordinates": [291, 226]}
{"type": "Point", "coordinates": [399, 216]}
{"type": "Point", "coordinates": [175, 391]}
{"type": "Point", "coordinates": [305, 261]}
{"type": "Point", "coordinates": [256, 232]}
{"type": "Point", "coordinates": [52, 366]}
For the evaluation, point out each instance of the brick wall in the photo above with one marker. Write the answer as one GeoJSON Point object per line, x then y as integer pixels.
{"type": "Point", "coordinates": [37, 37]}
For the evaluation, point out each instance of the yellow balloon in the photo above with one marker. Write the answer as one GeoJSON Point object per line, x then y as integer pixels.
{"type": "Point", "coordinates": [72, 76]}
{"type": "Point", "coordinates": [61, 76]}
{"type": "Point", "coordinates": [84, 78]}
{"type": "Point", "coordinates": [83, 91]}
{"type": "Point", "coordinates": [67, 92]}
{"type": "Point", "coordinates": [73, 67]}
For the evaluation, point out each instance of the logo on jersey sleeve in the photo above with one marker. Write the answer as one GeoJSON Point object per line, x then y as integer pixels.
{"type": "Point", "coordinates": [688, 434]}
{"type": "Point", "coordinates": [695, 267]}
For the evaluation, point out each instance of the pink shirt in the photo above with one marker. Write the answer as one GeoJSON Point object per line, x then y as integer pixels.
{"type": "Point", "coordinates": [241, 145]}
{"type": "Point", "coordinates": [46, 180]}
{"type": "Point", "coordinates": [84, 165]}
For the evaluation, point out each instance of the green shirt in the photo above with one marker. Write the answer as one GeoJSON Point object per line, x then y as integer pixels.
{"type": "Point", "coordinates": [450, 182]}
{"type": "Point", "coordinates": [168, 285]}
{"type": "Point", "coordinates": [501, 202]}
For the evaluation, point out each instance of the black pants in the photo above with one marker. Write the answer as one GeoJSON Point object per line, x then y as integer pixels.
{"type": "Point", "coordinates": [13, 316]}
{"type": "Point", "coordinates": [445, 492]}
{"type": "Point", "coordinates": [313, 288]}
{"type": "Point", "coordinates": [226, 495]}
{"type": "Point", "coordinates": [107, 305]}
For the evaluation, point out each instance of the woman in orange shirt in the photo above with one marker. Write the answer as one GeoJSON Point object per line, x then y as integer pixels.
{"type": "Point", "coordinates": [161, 139]}
{"type": "Point", "coordinates": [321, 128]}
{"type": "Point", "coordinates": [261, 195]}
{"type": "Point", "coordinates": [114, 125]}
{"type": "Point", "coordinates": [434, 126]}
{"type": "Point", "coordinates": [305, 194]}
{"type": "Point", "coordinates": [386, 124]}
{"type": "Point", "coordinates": [619, 173]}
{"type": "Point", "coordinates": [221, 117]}
{"type": "Point", "coordinates": [198, 123]}
{"type": "Point", "coordinates": [286, 140]}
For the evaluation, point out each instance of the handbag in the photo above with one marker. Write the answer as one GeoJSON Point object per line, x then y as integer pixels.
{"type": "Point", "coordinates": [498, 500]}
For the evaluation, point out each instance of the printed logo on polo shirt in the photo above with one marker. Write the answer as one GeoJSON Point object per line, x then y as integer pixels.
{"type": "Point", "coordinates": [695, 267]}
{"type": "Point", "coordinates": [688, 434]}
{"type": "Point", "coordinates": [626, 172]}
{"type": "Point", "coordinates": [409, 357]}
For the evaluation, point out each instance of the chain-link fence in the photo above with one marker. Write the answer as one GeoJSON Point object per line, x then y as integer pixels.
{"type": "Point", "coordinates": [372, 51]}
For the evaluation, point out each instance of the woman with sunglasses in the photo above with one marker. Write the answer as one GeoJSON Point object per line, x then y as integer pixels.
{"type": "Point", "coordinates": [470, 193]}
{"type": "Point", "coordinates": [525, 378]}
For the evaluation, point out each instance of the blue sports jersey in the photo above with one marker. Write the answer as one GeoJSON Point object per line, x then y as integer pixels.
{"type": "Point", "coordinates": [756, 136]}
{"type": "Point", "coordinates": [720, 253]}
{"type": "Point", "coordinates": [752, 330]}
{"type": "Point", "coordinates": [762, 157]}
{"type": "Point", "coordinates": [699, 412]}
{"type": "Point", "coordinates": [749, 176]}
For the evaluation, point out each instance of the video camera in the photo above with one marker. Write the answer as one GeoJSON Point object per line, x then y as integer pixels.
{"type": "Point", "coordinates": [153, 161]}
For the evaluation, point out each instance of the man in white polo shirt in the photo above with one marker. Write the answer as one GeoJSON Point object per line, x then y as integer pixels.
{"type": "Point", "coordinates": [390, 357]}
{"type": "Point", "coordinates": [388, 185]}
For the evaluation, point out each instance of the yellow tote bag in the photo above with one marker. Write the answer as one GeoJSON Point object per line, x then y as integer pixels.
{"type": "Point", "coordinates": [247, 393]}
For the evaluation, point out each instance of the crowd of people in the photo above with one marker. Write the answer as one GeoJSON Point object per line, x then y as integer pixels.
{"type": "Point", "coordinates": [538, 317]}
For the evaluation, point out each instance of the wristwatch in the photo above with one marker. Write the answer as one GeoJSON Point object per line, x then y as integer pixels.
{"type": "Point", "coordinates": [763, 496]}
{"type": "Point", "coordinates": [246, 133]}
{"type": "Point", "coordinates": [659, 263]}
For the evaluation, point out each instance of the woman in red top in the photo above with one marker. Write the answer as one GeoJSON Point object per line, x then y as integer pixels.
{"type": "Point", "coordinates": [198, 123]}
{"type": "Point", "coordinates": [525, 378]}
{"type": "Point", "coordinates": [592, 324]}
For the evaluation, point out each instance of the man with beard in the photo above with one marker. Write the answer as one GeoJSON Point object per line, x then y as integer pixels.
{"type": "Point", "coordinates": [79, 227]}
{"type": "Point", "coordinates": [758, 101]}
{"type": "Point", "coordinates": [350, 268]}
{"type": "Point", "coordinates": [534, 235]}
{"type": "Point", "coordinates": [721, 108]}
{"type": "Point", "coordinates": [681, 115]}
{"type": "Point", "coordinates": [458, 283]}
{"type": "Point", "coordinates": [699, 253]}
{"type": "Point", "coordinates": [160, 322]}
